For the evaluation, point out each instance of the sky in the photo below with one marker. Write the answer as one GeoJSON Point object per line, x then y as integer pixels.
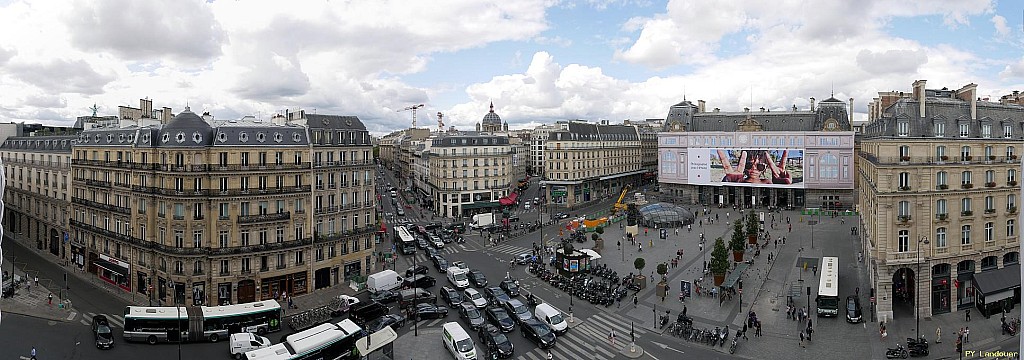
{"type": "Point", "coordinates": [537, 61]}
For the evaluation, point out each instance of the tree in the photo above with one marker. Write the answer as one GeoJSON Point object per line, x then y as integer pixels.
{"type": "Point", "coordinates": [600, 230]}
{"type": "Point", "coordinates": [662, 270]}
{"type": "Point", "coordinates": [752, 224]}
{"type": "Point", "coordinates": [737, 242]}
{"type": "Point", "coordinates": [719, 258]}
{"type": "Point", "coordinates": [594, 236]}
{"type": "Point", "coordinates": [639, 264]}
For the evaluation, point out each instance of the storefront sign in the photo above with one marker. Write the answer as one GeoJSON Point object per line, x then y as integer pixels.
{"type": "Point", "coordinates": [114, 261]}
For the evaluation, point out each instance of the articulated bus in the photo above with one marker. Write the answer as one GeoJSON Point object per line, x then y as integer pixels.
{"type": "Point", "coordinates": [828, 288]}
{"type": "Point", "coordinates": [324, 341]}
{"type": "Point", "coordinates": [404, 240]}
{"type": "Point", "coordinates": [155, 324]}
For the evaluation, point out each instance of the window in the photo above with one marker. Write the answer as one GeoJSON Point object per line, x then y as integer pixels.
{"type": "Point", "coordinates": [986, 130]}
{"type": "Point", "coordinates": [223, 211]}
{"type": "Point", "coordinates": [965, 129]}
{"type": "Point", "coordinates": [939, 128]}
{"type": "Point", "coordinates": [179, 238]}
{"type": "Point", "coordinates": [179, 267]}
{"type": "Point", "coordinates": [298, 257]}
{"type": "Point", "coordinates": [965, 152]}
{"type": "Point", "coordinates": [940, 207]}
{"type": "Point", "coordinates": [281, 262]}
{"type": "Point", "coordinates": [989, 233]}
{"type": "Point", "coordinates": [245, 266]}
{"type": "Point", "coordinates": [225, 267]}
{"type": "Point", "coordinates": [904, 208]}
{"type": "Point", "coordinates": [1011, 177]}
{"type": "Point", "coordinates": [224, 238]}
{"type": "Point", "coordinates": [965, 178]}
{"type": "Point", "coordinates": [940, 179]}
{"type": "Point", "coordinates": [965, 235]}
{"type": "Point", "coordinates": [902, 128]}
{"type": "Point", "coordinates": [990, 204]}
{"type": "Point", "coordinates": [1011, 202]}
{"type": "Point", "coordinates": [1009, 152]}
{"type": "Point", "coordinates": [197, 268]}
{"type": "Point", "coordinates": [1011, 229]}
{"type": "Point", "coordinates": [940, 237]}
{"type": "Point", "coordinates": [197, 238]}
{"type": "Point", "coordinates": [244, 236]}
{"type": "Point", "coordinates": [965, 206]}
{"type": "Point", "coordinates": [940, 152]}
{"type": "Point", "coordinates": [904, 152]}
{"type": "Point", "coordinates": [903, 242]}
{"type": "Point", "coordinates": [904, 181]}
{"type": "Point", "coordinates": [990, 176]}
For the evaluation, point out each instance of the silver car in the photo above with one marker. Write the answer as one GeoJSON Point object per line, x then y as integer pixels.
{"type": "Point", "coordinates": [475, 297]}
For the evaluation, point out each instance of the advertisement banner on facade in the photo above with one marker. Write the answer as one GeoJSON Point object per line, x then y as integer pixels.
{"type": "Point", "coordinates": [746, 167]}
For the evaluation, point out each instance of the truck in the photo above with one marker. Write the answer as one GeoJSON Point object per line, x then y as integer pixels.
{"type": "Point", "coordinates": [457, 276]}
{"type": "Point", "coordinates": [384, 280]}
{"type": "Point", "coordinates": [481, 220]}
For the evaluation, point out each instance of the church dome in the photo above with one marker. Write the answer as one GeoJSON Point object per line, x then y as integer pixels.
{"type": "Point", "coordinates": [491, 118]}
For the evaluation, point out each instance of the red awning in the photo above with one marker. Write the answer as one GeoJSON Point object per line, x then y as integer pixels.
{"type": "Point", "coordinates": [509, 200]}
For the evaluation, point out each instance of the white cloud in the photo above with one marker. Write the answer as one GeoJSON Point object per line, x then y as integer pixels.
{"type": "Point", "coordinates": [999, 23]}
{"type": "Point", "coordinates": [553, 40]}
{"type": "Point", "coordinates": [898, 61]}
{"type": "Point", "coordinates": [687, 33]}
{"type": "Point", "coordinates": [1013, 70]}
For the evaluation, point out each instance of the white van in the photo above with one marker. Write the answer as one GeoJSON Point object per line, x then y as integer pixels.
{"type": "Point", "coordinates": [457, 276]}
{"type": "Point", "coordinates": [551, 316]}
{"type": "Point", "coordinates": [242, 343]}
{"type": "Point", "coordinates": [458, 342]}
{"type": "Point", "coordinates": [384, 280]}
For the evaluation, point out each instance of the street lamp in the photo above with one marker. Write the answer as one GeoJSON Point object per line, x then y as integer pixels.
{"type": "Point", "coordinates": [917, 280]}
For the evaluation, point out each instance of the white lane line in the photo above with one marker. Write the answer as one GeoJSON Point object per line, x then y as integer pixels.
{"type": "Point", "coordinates": [72, 316]}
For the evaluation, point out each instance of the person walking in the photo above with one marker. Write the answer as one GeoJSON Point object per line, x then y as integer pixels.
{"type": "Point", "coordinates": [802, 339]}
{"type": "Point", "coordinates": [967, 333]}
{"type": "Point", "coordinates": [635, 301]}
{"type": "Point", "coordinates": [881, 331]}
{"type": "Point", "coordinates": [49, 299]}
{"type": "Point", "coordinates": [938, 335]}
{"type": "Point", "coordinates": [968, 315]}
{"type": "Point", "coordinates": [757, 326]}
{"type": "Point", "coordinates": [611, 337]}
{"type": "Point", "coordinates": [33, 353]}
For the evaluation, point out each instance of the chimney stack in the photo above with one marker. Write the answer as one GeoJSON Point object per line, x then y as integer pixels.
{"type": "Point", "coordinates": [970, 93]}
{"type": "Point", "coordinates": [851, 111]}
{"type": "Point", "coordinates": [700, 106]}
{"type": "Point", "coordinates": [746, 109]}
{"type": "Point", "coordinates": [717, 109]}
{"type": "Point", "coordinates": [146, 105]}
{"type": "Point", "coordinates": [919, 94]}
{"type": "Point", "coordinates": [812, 104]}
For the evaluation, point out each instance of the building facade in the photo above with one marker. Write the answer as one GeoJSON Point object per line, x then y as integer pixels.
{"type": "Point", "coordinates": [469, 172]}
{"type": "Point", "coordinates": [538, 140]}
{"type": "Point", "coordinates": [586, 161]}
{"type": "Point", "coordinates": [800, 158]}
{"type": "Point", "coordinates": [939, 172]}
{"type": "Point", "coordinates": [211, 212]}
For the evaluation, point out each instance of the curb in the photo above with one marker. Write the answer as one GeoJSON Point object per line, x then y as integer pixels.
{"type": "Point", "coordinates": [35, 316]}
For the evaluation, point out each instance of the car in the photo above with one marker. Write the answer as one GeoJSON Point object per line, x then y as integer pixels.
{"type": "Point", "coordinates": [853, 310]}
{"type": "Point", "coordinates": [522, 259]}
{"type": "Point", "coordinates": [495, 342]}
{"type": "Point", "coordinates": [436, 241]}
{"type": "Point", "coordinates": [418, 269]}
{"type": "Point", "coordinates": [101, 332]}
{"type": "Point", "coordinates": [385, 297]}
{"type": "Point", "coordinates": [526, 206]}
{"type": "Point", "coordinates": [432, 253]}
{"type": "Point", "coordinates": [538, 332]}
{"type": "Point", "coordinates": [561, 216]}
{"type": "Point", "coordinates": [410, 297]}
{"type": "Point", "coordinates": [451, 296]}
{"type": "Point", "coordinates": [419, 281]}
{"type": "Point", "coordinates": [456, 227]}
{"type": "Point", "coordinates": [431, 311]}
{"type": "Point", "coordinates": [519, 310]}
{"type": "Point", "coordinates": [400, 212]}
{"type": "Point", "coordinates": [472, 315]}
{"type": "Point", "coordinates": [477, 278]}
{"type": "Point", "coordinates": [446, 237]}
{"type": "Point", "coordinates": [459, 264]}
{"type": "Point", "coordinates": [499, 317]}
{"type": "Point", "coordinates": [341, 303]}
{"type": "Point", "coordinates": [475, 297]}
{"type": "Point", "coordinates": [421, 243]}
{"type": "Point", "coordinates": [515, 219]}
{"type": "Point", "coordinates": [511, 287]}
{"type": "Point", "coordinates": [495, 295]}
{"type": "Point", "coordinates": [440, 263]}
{"type": "Point", "coordinates": [395, 321]}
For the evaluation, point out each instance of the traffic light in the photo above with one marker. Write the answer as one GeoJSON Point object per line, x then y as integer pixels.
{"type": "Point", "coordinates": [740, 281]}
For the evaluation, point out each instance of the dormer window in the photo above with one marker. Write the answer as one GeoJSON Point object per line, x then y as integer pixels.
{"type": "Point", "coordinates": [986, 130]}
{"type": "Point", "coordinates": [1007, 131]}
{"type": "Point", "coordinates": [939, 128]}
{"type": "Point", "coordinates": [902, 128]}
{"type": "Point", "coordinates": [965, 129]}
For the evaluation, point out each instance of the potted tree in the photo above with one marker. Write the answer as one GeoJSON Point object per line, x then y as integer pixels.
{"type": "Point", "coordinates": [753, 225]}
{"type": "Point", "coordinates": [736, 242]}
{"type": "Point", "coordinates": [719, 261]}
{"type": "Point", "coordinates": [639, 264]}
{"type": "Point", "coordinates": [662, 288]}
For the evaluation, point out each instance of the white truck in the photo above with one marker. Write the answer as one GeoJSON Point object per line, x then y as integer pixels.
{"type": "Point", "coordinates": [457, 276]}
{"type": "Point", "coordinates": [384, 280]}
{"type": "Point", "coordinates": [481, 220]}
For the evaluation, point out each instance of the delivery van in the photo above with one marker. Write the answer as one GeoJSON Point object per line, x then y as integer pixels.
{"type": "Point", "coordinates": [384, 280]}
{"type": "Point", "coordinates": [457, 341]}
{"type": "Point", "coordinates": [244, 342]}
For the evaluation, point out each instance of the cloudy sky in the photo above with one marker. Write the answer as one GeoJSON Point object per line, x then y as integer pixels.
{"type": "Point", "coordinates": [537, 60]}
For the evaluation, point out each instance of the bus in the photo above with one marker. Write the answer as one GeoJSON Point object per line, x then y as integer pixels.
{"type": "Point", "coordinates": [828, 288]}
{"type": "Point", "coordinates": [405, 241]}
{"type": "Point", "coordinates": [155, 324]}
{"type": "Point", "coordinates": [324, 341]}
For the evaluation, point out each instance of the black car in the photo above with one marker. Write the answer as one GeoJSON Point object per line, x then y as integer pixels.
{"type": "Point", "coordinates": [472, 315]}
{"type": "Point", "coordinates": [539, 333]}
{"type": "Point", "coordinates": [451, 296]}
{"type": "Point", "coordinates": [853, 310]}
{"type": "Point", "coordinates": [496, 296]}
{"type": "Point", "coordinates": [561, 216]}
{"type": "Point", "coordinates": [499, 317]}
{"type": "Point", "coordinates": [431, 311]}
{"type": "Point", "coordinates": [440, 263]}
{"type": "Point", "coordinates": [101, 332]}
{"type": "Point", "coordinates": [518, 310]}
{"type": "Point", "coordinates": [395, 321]}
{"type": "Point", "coordinates": [410, 297]}
{"type": "Point", "coordinates": [422, 243]}
{"type": "Point", "coordinates": [456, 227]}
{"type": "Point", "coordinates": [418, 269]}
{"type": "Point", "coordinates": [511, 287]}
{"type": "Point", "coordinates": [494, 340]}
{"type": "Point", "coordinates": [432, 253]}
{"type": "Point", "coordinates": [385, 297]}
{"type": "Point", "coordinates": [419, 281]}
{"type": "Point", "coordinates": [477, 278]}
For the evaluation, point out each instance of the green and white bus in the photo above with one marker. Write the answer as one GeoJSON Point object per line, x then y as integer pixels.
{"type": "Point", "coordinates": [334, 341]}
{"type": "Point", "coordinates": [155, 324]}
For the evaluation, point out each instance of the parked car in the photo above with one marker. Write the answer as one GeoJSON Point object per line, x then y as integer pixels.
{"type": "Point", "coordinates": [475, 297]}
{"type": "Point", "coordinates": [101, 332]}
{"type": "Point", "coordinates": [495, 295]}
{"type": "Point", "coordinates": [853, 310]}
{"type": "Point", "coordinates": [472, 315]}
{"type": "Point", "coordinates": [538, 332]}
{"type": "Point", "coordinates": [561, 216]}
{"type": "Point", "coordinates": [395, 321]}
{"type": "Point", "coordinates": [451, 296]}
{"type": "Point", "coordinates": [499, 317]}
{"type": "Point", "coordinates": [494, 340]}
{"type": "Point", "coordinates": [511, 287]}
{"type": "Point", "coordinates": [431, 311]}
{"type": "Point", "coordinates": [477, 278]}
{"type": "Point", "coordinates": [519, 310]}
{"type": "Point", "coordinates": [440, 263]}
{"type": "Point", "coordinates": [385, 297]}
{"type": "Point", "coordinates": [418, 269]}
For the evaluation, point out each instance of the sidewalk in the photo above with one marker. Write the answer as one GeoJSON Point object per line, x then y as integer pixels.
{"type": "Point", "coordinates": [33, 301]}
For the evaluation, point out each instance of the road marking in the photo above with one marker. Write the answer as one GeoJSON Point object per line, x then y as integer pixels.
{"type": "Point", "coordinates": [663, 346]}
{"type": "Point", "coordinates": [72, 316]}
{"type": "Point", "coordinates": [86, 323]}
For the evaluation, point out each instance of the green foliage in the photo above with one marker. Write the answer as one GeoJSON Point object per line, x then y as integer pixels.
{"type": "Point", "coordinates": [594, 236]}
{"type": "Point", "coordinates": [639, 264]}
{"type": "Point", "coordinates": [600, 230]}
{"type": "Point", "coordinates": [753, 224]}
{"type": "Point", "coordinates": [662, 269]}
{"type": "Point", "coordinates": [738, 240]}
{"type": "Point", "coordinates": [719, 258]}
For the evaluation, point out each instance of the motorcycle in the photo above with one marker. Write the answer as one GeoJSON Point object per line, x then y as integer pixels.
{"type": "Point", "coordinates": [898, 353]}
{"type": "Point", "coordinates": [916, 351]}
{"type": "Point", "coordinates": [921, 342]}
{"type": "Point", "coordinates": [663, 320]}
{"type": "Point", "coordinates": [724, 335]}
{"type": "Point", "coordinates": [732, 348]}
{"type": "Point", "coordinates": [1010, 327]}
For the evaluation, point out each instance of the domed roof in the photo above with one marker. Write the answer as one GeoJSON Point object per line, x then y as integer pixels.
{"type": "Point", "coordinates": [186, 129]}
{"type": "Point", "coordinates": [491, 118]}
{"type": "Point", "coordinates": [187, 120]}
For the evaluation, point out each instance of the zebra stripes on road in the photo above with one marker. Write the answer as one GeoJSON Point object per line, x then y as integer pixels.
{"type": "Point", "coordinates": [509, 249]}
{"type": "Point", "coordinates": [589, 340]}
{"type": "Point", "coordinates": [423, 258]}
{"type": "Point", "coordinates": [114, 320]}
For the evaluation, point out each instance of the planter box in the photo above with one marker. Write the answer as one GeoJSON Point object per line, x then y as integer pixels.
{"type": "Point", "coordinates": [737, 256]}
{"type": "Point", "coordinates": [752, 239]}
{"type": "Point", "coordinates": [719, 279]}
{"type": "Point", "coordinates": [642, 281]}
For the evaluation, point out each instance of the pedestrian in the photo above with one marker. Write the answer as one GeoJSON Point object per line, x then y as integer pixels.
{"type": "Point", "coordinates": [37, 280]}
{"type": "Point", "coordinates": [938, 335]}
{"type": "Point", "coordinates": [802, 339]}
{"type": "Point", "coordinates": [684, 310]}
{"type": "Point", "coordinates": [967, 333]}
{"type": "Point", "coordinates": [33, 353]}
{"type": "Point", "coordinates": [968, 315]}
{"type": "Point", "coordinates": [744, 330]}
{"type": "Point", "coordinates": [611, 337]}
{"type": "Point", "coordinates": [640, 247]}
{"type": "Point", "coordinates": [635, 301]}
{"type": "Point", "coordinates": [757, 325]}
{"type": "Point", "coordinates": [550, 356]}
{"type": "Point", "coordinates": [881, 331]}
{"type": "Point", "coordinates": [49, 299]}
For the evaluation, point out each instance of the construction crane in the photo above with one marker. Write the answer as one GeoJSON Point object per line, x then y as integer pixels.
{"type": "Point", "coordinates": [413, 108]}
{"type": "Point", "coordinates": [440, 121]}
{"type": "Point", "coordinates": [619, 205]}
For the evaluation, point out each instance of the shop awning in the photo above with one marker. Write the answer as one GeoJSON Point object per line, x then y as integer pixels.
{"type": "Point", "coordinates": [110, 266]}
{"type": "Point", "coordinates": [998, 284]}
{"type": "Point", "coordinates": [730, 280]}
{"type": "Point", "coordinates": [509, 200]}
{"type": "Point", "coordinates": [481, 205]}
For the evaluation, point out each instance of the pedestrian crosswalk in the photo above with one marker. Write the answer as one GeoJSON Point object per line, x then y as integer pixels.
{"type": "Point", "coordinates": [589, 340]}
{"type": "Point", "coordinates": [422, 257]}
{"type": "Point", "coordinates": [114, 320]}
{"type": "Point", "coordinates": [510, 249]}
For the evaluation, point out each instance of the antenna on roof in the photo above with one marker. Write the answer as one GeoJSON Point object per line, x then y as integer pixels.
{"type": "Point", "coordinates": [684, 92]}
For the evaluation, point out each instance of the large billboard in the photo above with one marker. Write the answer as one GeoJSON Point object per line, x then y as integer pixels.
{"type": "Point", "coordinates": [746, 167]}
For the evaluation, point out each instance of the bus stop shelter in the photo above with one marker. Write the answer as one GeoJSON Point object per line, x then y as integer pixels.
{"type": "Point", "coordinates": [734, 276]}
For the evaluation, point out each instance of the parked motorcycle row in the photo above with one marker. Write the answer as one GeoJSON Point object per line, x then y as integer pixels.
{"type": "Point", "coordinates": [683, 328]}
{"type": "Point", "coordinates": [1011, 326]}
{"type": "Point", "coordinates": [914, 348]}
{"type": "Point", "coordinates": [601, 287]}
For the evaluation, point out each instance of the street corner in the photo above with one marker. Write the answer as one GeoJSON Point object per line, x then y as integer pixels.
{"type": "Point", "coordinates": [632, 351]}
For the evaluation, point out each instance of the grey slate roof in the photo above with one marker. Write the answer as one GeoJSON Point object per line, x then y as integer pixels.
{"type": "Point", "coordinates": [54, 144]}
{"type": "Point", "coordinates": [469, 139]}
{"type": "Point", "coordinates": [583, 131]}
{"type": "Point", "coordinates": [349, 129]}
{"type": "Point", "coordinates": [949, 111]}
{"type": "Point", "coordinates": [994, 281]}
{"type": "Point", "coordinates": [686, 113]}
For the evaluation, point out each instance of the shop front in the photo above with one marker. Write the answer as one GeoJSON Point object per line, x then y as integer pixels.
{"type": "Point", "coordinates": [199, 293]}
{"type": "Point", "coordinates": [291, 284]}
{"type": "Point", "coordinates": [997, 290]}
{"type": "Point", "coordinates": [353, 270]}
{"type": "Point", "coordinates": [246, 290]}
{"type": "Point", "coordinates": [141, 282]}
{"type": "Point", "coordinates": [78, 255]}
{"type": "Point", "coordinates": [965, 287]}
{"type": "Point", "coordinates": [940, 288]}
{"type": "Point", "coordinates": [112, 270]}
{"type": "Point", "coordinates": [322, 278]}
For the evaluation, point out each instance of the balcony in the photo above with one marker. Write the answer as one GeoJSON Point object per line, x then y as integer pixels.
{"type": "Point", "coordinates": [943, 187]}
{"type": "Point", "coordinates": [1011, 210]}
{"type": "Point", "coordinates": [107, 207]}
{"type": "Point", "coordinates": [941, 217]}
{"type": "Point", "coordinates": [966, 186]}
{"type": "Point", "coordinates": [990, 184]}
{"type": "Point", "coordinates": [967, 213]}
{"type": "Point", "coordinates": [1011, 183]}
{"type": "Point", "coordinates": [904, 258]}
{"type": "Point", "coordinates": [904, 188]}
{"type": "Point", "coordinates": [261, 247]}
{"type": "Point", "coordinates": [251, 219]}
{"type": "Point", "coordinates": [903, 218]}
{"type": "Point", "coordinates": [990, 211]}
{"type": "Point", "coordinates": [97, 183]}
